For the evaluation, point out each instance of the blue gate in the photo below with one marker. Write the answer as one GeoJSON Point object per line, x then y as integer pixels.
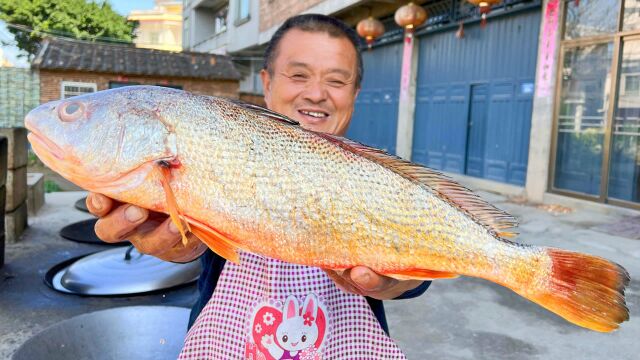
{"type": "Point", "coordinates": [375, 119]}
{"type": "Point", "coordinates": [474, 98]}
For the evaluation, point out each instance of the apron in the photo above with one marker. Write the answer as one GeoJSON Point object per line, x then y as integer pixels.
{"type": "Point", "coordinates": [266, 309]}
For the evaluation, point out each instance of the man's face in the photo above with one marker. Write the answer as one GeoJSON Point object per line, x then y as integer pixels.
{"type": "Point", "coordinates": [313, 81]}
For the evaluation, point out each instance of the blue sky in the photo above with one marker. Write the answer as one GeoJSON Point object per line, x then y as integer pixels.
{"type": "Point", "coordinates": [124, 7]}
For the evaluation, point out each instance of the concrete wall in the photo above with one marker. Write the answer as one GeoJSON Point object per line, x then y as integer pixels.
{"type": "Point", "coordinates": [198, 20]}
{"type": "Point", "coordinates": [539, 164]}
{"type": "Point", "coordinates": [274, 13]}
{"type": "Point", "coordinates": [243, 33]}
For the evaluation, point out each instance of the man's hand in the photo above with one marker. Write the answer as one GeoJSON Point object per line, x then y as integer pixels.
{"type": "Point", "coordinates": [150, 232]}
{"type": "Point", "coordinates": [363, 281]}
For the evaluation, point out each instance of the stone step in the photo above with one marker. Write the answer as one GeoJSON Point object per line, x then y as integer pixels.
{"type": "Point", "coordinates": [16, 188]}
{"type": "Point", "coordinates": [15, 223]}
{"type": "Point", "coordinates": [35, 192]}
{"type": "Point", "coordinates": [17, 146]}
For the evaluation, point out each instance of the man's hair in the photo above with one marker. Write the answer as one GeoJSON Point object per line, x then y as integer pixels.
{"type": "Point", "coordinates": [313, 23]}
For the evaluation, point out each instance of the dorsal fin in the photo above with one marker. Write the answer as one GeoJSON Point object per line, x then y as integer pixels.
{"type": "Point", "coordinates": [264, 111]}
{"type": "Point", "coordinates": [485, 214]}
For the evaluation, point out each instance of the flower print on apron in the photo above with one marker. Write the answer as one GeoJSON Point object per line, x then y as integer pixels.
{"type": "Point", "coordinates": [266, 309]}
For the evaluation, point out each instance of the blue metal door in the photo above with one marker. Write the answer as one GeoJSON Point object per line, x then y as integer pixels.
{"type": "Point", "coordinates": [375, 119]}
{"type": "Point", "coordinates": [477, 133]}
{"type": "Point", "coordinates": [501, 57]}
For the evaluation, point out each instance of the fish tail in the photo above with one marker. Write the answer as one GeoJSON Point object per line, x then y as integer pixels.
{"type": "Point", "coordinates": [585, 290]}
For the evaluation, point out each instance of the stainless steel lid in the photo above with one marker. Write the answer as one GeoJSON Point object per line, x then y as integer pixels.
{"type": "Point", "coordinates": [131, 332]}
{"type": "Point", "coordinates": [122, 271]}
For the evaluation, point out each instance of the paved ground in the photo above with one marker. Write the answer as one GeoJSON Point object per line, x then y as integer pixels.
{"type": "Point", "coordinates": [456, 319]}
{"type": "Point", "coordinates": [469, 318]}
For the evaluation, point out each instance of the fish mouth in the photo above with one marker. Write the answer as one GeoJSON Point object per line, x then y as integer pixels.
{"type": "Point", "coordinates": [41, 143]}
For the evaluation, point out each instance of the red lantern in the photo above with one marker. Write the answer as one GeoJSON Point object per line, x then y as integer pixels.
{"type": "Point", "coordinates": [370, 29]}
{"type": "Point", "coordinates": [485, 8]}
{"type": "Point", "coordinates": [410, 16]}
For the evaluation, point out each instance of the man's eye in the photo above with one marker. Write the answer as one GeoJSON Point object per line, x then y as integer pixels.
{"type": "Point", "coordinates": [337, 83]}
{"type": "Point", "coordinates": [298, 76]}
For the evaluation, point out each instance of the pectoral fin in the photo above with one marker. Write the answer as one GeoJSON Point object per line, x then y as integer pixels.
{"type": "Point", "coordinates": [172, 204]}
{"type": "Point", "coordinates": [421, 274]}
{"type": "Point", "coordinates": [217, 242]}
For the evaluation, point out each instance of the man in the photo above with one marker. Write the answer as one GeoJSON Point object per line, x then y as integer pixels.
{"type": "Point", "coordinates": [312, 74]}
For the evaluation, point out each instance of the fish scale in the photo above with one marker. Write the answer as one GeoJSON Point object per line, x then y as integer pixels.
{"type": "Point", "coordinates": [244, 178]}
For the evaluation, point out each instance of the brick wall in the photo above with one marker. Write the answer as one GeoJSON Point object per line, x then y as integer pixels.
{"type": "Point", "coordinates": [253, 98]}
{"type": "Point", "coordinates": [19, 93]}
{"type": "Point", "coordinates": [275, 12]}
{"type": "Point", "coordinates": [50, 83]}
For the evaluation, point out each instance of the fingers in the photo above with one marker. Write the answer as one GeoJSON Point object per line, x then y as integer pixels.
{"type": "Point", "coordinates": [156, 237]}
{"type": "Point", "coordinates": [363, 281]}
{"type": "Point", "coordinates": [116, 225]}
{"type": "Point", "coordinates": [370, 281]}
{"type": "Point", "coordinates": [98, 204]}
{"type": "Point", "coordinates": [342, 281]}
{"type": "Point", "coordinates": [180, 253]}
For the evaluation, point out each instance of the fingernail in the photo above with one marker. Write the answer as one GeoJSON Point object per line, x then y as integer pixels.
{"type": "Point", "coordinates": [133, 214]}
{"type": "Point", "coordinates": [173, 228]}
{"type": "Point", "coordinates": [95, 203]}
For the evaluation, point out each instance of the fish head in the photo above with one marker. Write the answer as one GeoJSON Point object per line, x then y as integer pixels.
{"type": "Point", "coordinates": [105, 138]}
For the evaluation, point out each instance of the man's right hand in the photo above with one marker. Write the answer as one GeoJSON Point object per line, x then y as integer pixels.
{"type": "Point", "coordinates": [150, 232]}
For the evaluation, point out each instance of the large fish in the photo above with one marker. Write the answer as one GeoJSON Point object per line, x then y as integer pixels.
{"type": "Point", "coordinates": [241, 177]}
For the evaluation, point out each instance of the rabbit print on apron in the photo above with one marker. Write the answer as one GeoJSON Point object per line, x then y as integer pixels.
{"type": "Point", "coordinates": [266, 309]}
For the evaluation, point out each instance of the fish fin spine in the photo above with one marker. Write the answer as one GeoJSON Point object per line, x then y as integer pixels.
{"type": "Point", "coordinates": [585, 290]}
{"type": "Point", "coordinates": [458, 196]}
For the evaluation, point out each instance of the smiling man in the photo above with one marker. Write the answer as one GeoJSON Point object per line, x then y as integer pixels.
{"type": "Point", "coordinates": [312, 74]}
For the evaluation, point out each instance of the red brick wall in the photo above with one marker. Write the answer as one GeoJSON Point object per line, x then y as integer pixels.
{"type": "Point", "coordinates": [276, 12]}
{"type": "Point", "coordinates": [50, 83]}
{"type": "Point", "coordinates": [253, 99]}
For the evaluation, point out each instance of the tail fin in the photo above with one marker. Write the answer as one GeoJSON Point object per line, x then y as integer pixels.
{"type": "Point", "coordinates": [586, 290]}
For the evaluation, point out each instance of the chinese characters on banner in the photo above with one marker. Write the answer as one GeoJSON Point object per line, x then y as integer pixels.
{"type": "Point", "coordinates": [405, 76]}
{"type": "Point", "coordinates": [544, 82]}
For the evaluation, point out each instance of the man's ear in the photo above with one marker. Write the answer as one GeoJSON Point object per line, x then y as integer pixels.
{"type": "Point", "coordinates": [266, 86]}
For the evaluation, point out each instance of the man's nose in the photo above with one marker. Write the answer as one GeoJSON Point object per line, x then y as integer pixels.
{"type": "Point", "coordinates": [315, 92]}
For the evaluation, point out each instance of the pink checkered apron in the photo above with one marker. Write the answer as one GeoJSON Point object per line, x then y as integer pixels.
{"type": "Point", "coordinates": [266, 309]}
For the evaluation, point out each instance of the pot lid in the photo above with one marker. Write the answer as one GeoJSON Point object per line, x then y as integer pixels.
{"type": "Point", "coordinates": [131, 332]}
{"type": "Point", "coordinates": [121, 271]}
{"type": "Point", "coordinates": [83, 231]}
{"type": "Point", "coordinates": [82, 204]}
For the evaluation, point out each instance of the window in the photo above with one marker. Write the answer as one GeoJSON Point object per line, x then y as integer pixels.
{"type": "Point", "coordinates": [243, 10]}
{"type": "Point", "coordinates": [70, 89]}
{"type": "Point", "coordinates": [220, 22]}
{"type": "Point", "coordinates": [118, 84]}
{"type": "Point", "coordinates": [630, 84]}
{"type": "Point", "coordinates": [179, 87]}
{"type": "Point", "coordinates": [154, 38]}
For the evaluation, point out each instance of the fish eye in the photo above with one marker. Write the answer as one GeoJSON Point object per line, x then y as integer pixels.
{"type": "Point", "coordinates": [70, 111]}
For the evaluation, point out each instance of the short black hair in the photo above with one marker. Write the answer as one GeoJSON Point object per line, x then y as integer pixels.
{"type": "Point", "coordinates": [314, 23]}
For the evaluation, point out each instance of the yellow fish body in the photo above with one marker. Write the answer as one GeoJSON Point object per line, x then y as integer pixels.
{"type": "Point", "coordinates": [241, 177]}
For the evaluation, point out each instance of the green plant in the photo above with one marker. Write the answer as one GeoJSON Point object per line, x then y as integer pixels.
{"type": "Point", "coordinates": [51, 186]}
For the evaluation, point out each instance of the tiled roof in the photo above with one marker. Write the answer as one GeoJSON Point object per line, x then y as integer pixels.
{"type": "Point", "coordinates": [76, 55]}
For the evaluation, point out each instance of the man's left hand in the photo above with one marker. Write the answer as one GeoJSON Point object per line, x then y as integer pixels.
{"type": "Point", "coordinates": [363, 281]}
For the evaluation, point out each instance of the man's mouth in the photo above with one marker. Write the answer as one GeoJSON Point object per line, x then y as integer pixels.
{"type": "Point", "coordinates": [320, 115]}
